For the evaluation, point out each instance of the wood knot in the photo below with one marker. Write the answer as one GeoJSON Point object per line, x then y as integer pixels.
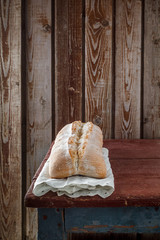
{"type": "Point", "coordinates": [43, 101]}
{"type": "Point", "coordinates": [156, 41]}
{"type": "Point", "coordinates": [72, 90]}
{"type": "Point", "coordinates": [105, 23]}
{"type": "Point", "coordinates": [145, 120]}
{"type": "Point", "coordinates": [97, 120]}
{"type": "Point", "coordinates": [46, 28]}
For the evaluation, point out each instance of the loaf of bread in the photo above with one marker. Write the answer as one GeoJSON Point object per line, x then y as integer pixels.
{"type": "Point", "coordinates": [78, 151]}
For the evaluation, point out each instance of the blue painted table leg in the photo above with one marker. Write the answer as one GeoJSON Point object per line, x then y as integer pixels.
{"type": "Point", "coordinates": [51, 224]}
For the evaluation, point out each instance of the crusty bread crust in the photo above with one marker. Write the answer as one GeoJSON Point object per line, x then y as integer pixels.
{"type": "Point", "coordinates": [91, 161]}
{"type": "Point", "coordinates": [78, 151]}
{"type": "Point", "coordinates": [61, 164]}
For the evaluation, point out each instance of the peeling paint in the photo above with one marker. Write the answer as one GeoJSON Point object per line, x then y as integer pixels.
{"type": "Point", "coordinates": [96, 226]}
{"type": "Point", "coordinates": [153, 227]}
{"type": "Point", "coordinates": [76, 229]}
{"type": "Point", "coordinates": [118, 220]}
{"type": "Point", "coordinates": [120, 226]}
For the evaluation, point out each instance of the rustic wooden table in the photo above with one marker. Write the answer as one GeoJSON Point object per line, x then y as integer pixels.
{"type": "Point", "coordinates": [133, 207]}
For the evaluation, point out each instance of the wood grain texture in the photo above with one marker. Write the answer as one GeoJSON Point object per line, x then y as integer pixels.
{"type": "Point", "coordinates": [151, 105]}
{"type": "Point", "coordinates": [151, 97]}
{"type": "Point", "coordinates": [128, 69]}
{"type": "Point", "coordinates": [68, 62]}
{"type": "Point", "coordinates": [135, 168]}
{"type": "Point", "coordinates": [10, 120]}
{"type": "Point", "coordinates": [98, 63]}
{"type": "Point", "coordinates": [39, 103]}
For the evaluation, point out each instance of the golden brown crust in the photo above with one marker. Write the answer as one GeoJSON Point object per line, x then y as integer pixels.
{"type": "Point", "coordinates": [76, 125]}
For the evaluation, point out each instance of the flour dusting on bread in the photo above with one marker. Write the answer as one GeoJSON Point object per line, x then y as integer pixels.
{"type": "Point", "coordinates": [78, 151]}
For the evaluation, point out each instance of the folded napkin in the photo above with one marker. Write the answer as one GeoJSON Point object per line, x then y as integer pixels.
{"type": "Point", "coordinates": [76, 186]}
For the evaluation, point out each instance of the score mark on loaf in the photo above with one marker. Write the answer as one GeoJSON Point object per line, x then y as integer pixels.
{"type": "Point", "coordinates": [78, 151]}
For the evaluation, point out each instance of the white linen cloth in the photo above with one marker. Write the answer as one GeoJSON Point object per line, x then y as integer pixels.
{"type": "Point", "coordinates": [76, 186]}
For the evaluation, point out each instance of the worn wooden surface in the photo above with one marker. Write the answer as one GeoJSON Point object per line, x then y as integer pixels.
{"type": "Point", "coordinates": [98, 68]}
{"type": "Point", "coordinates": [48, 219]}
{"type": "Point", "coordinates": [151, 118]}
{"type": "Point", "coordinates": [128, 69]}
{"type": "Point", "coordinates": [141, 170]}
{"type": "Point", "coordinates": [68, 62]}
{"type": "Point", "coordinates": [98, 61]}
{"type": "Point", "coordinates": [151, 78]}
{"type": "Point", "coordinates": [101, 220]}
{"type": "Point", "coordinates": [10, 120]}
{"type": "Point", "coordinates": [97, 221]}
{"type": "Point", "coordinates": [39, 104]}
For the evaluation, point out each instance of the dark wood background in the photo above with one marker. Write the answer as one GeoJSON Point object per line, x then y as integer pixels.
{"type": "Point", "coordinates": [65, 60]}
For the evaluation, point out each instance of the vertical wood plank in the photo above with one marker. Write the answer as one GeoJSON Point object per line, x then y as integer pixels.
{"type": "Point", "coordinates": [68, 62]}
{"type": "Point", "coordinates": [39, 103]}
{"type": "Point", "coordinates": [151, 97]}
{"type": "Point", "coordinates": [10, 120]}
{"type": "Point", "coordinates": [151, 104]}
{"type": "Point", "coordinates": [98, 62]}
{"type": "Point", "coordinates": [128, 69]}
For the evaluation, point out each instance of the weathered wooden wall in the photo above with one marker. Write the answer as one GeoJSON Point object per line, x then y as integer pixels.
{"type": "Point", "coordinates": [10, 120]}
{"type": "Point", "coordinates": [63, 60]}
{"type": "Point", "coordinates": [38, 93]}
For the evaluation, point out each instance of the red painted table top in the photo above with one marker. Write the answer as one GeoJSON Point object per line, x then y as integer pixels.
{"type": "Point", "coordinates": [136, 168]}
